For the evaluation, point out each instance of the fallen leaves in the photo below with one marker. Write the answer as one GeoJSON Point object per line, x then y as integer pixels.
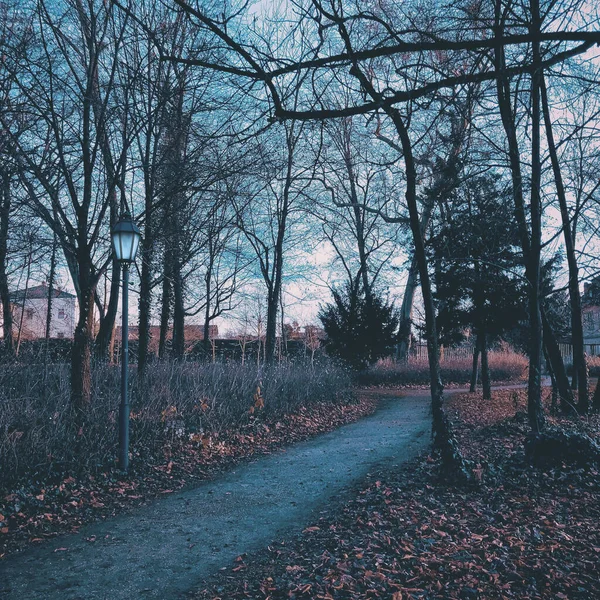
{"type": "Point", "coordinates": [522, 533]}
{"type": "Point", "coordinates": [47, 506]}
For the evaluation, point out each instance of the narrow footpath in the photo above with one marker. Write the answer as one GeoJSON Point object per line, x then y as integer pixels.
{"type": "Point", "coordinates": [165, 549]}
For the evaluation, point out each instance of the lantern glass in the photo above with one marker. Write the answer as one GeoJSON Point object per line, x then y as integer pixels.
{"type": "Point", "coordinates": [125, 239]}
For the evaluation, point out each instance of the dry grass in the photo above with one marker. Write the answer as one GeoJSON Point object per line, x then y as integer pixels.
{"type": "Point", "coordinates": [504, 366]}
{"type": "Point", "coordinates": [38, 437]}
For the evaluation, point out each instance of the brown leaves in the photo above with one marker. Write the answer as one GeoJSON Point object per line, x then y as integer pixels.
{"type": "Point", "coordinates": [523, 533]}
{"type": "Point", "coordinates": [37, 511]}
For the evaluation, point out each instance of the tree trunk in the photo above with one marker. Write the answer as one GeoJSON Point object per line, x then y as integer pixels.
{"type": "Point", "coordinates": [404, 329]}
{"type": "Point", "coordinates": [20, 333]}
{"type": "Point", "coordinates": [475, 370]}
{"type": "Point", "coordinates": [107, 324]}
{"type": "Point", "coordinates": [165, 313]}
{"type": "Point", "coordinates": [178, 313]}
{"type": "Point", "coordinates": [442, 435]}
{"type": "Point", "coordinates": [596, 399]}
{"type": "Point", "coordinates": [531, 248]}
{"type": "Point", "coordinates": [558, 367]}
{"type": "Point", "coordinates": [485, 368]}
{"type": "Point", "coordinates": [534, 390]}
{"type": "Point", "coordinates": [7, 324]}
{"type": "Point", "coordinates": [208, 290]}
{"type": "Point", "coordinates": [81, 372]}
{"type": "Point", "coordinates": [49, 305]}
{"type": "Point", "coordinates": [271, 330]}
{"type": "Point", "coordinates": [51, 277]}
{"type": "Point", "coordinates": [145, 301]}
{"type": "Point", "coordinates": [580, 378]}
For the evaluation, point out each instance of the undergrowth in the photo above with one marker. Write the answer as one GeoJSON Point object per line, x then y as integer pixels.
{"type": "Point", "coordinates": [504, 366]}
{"type": "Point", "coordinates": [175, 401]}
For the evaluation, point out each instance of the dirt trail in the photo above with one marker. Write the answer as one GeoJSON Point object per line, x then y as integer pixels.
{"type": "Point", "coordinates": [164, 549]}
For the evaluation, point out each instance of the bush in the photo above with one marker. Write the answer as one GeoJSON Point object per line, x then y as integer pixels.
{"type": "Point", "coordinates": [359, 331]}
{"type": "Point", "coordinates": [177, 400]}
{"type": "Point", "coordinates": [504, 366]}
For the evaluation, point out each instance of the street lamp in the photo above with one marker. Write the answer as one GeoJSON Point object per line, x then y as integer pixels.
{"type": "Point", "coordinates": [125, 240]}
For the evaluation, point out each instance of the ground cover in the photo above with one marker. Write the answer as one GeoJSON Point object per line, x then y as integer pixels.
{"type": "Point", "coordinates": [505, 366]}
{"type": "Point", "coordinates": [519, 532]}
{"type": "Point", "coordinates": [45, 506]}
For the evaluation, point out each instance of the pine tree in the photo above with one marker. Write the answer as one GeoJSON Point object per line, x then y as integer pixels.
{"type": "Point", "coordinates": [360, 328]}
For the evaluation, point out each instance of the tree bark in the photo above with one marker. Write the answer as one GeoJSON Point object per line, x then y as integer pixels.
{"type": "Point", "coordinates": [208, 291]}
{"type": "Point", "coordinates": [23, 306]}
{"type": "Point", "coordinates": [580, 378]}
{"type": "Point", "coordinates": [531, 248]}
{"type": "Point", "coordinates": [145, 301]}
{"type": "Point", "coordinates": [271, 329]}
{"type": "Point", "coordinates": [558, 366]}
{"type": "Point", "coordinates": [475, 369]}
{"type": "Point", "coordinates": [406, 310]}
{"type": "Point", "coordinates": [178, 312]}
{"type": "Point", "coordinates": [485, 368]}
{"type": "Point", "coordinates": [107, 323]}
{"type": "Point", "coordinates": [81, 372]}
{"type": "Point", "coordinates": [7, 324]}
{"type": "Point", "coordinates": [165, 313]}
{"type": "Point", "coordinates": [442, 433]}
{"type": "Point", "coordinates": [534, 390]}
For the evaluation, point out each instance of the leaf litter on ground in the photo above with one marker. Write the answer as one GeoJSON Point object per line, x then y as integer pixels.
{"type": "Point", "coordinates": [407, 534]}
{"type": "Point", "coordinates": [51, 505]}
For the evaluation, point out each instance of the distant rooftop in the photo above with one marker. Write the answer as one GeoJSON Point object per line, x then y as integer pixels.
{"type": "Point", "coordinates": [39, 292]}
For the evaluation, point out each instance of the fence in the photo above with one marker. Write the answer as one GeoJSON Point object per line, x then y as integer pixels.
{"type": "Point", "coordinates": [419, 352]}
{"type": "Point", "coordinates": [567, 351]}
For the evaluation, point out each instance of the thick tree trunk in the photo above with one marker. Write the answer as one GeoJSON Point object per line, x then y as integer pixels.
{"type": "Point", "coordinates": [81, 371]}
{"type": "Point", "coordinates": [23, 306]}
{"type": "Point", "coordinates": [7, 324]}
{"type": "Point", "coordinates": [580, 378]}
{"type": "Point", "coordinates": [406, 310]}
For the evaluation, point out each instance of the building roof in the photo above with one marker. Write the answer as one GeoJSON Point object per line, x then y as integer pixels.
{"type": "Point", "coordinates": [39, 292]}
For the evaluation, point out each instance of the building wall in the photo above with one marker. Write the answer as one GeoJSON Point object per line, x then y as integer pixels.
{"type": "Point", "coordinates": [62, 324]}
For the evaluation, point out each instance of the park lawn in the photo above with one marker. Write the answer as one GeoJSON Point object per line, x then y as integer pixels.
{"type": "Point", "coordinates": [519, 533]}
{"type": "Point", "coordinates": [47, 506]}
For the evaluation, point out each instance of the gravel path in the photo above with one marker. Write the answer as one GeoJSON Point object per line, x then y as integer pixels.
{"type": "Point", "coordinates": [164, 549]}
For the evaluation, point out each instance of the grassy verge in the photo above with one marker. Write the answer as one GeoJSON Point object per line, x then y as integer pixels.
{"type": "Point", "coordinates": [504, 366]}
{"type": "Point", "coordinates": [521, 533]}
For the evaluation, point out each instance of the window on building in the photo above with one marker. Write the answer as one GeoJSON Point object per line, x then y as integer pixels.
{"type": "Point", "coordinates": [60, 334]}
{"type": "Point", "coordinates": [61, 313]}
{"type": "Point", "coordinates": [29, 314]}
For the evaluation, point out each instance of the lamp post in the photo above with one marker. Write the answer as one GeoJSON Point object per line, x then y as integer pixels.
{"type": "Point", "coordinates": [125, 240]}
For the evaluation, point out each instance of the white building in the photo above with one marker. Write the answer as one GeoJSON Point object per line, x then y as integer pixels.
{"type": "Point", "coordinates": [30, 308]}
